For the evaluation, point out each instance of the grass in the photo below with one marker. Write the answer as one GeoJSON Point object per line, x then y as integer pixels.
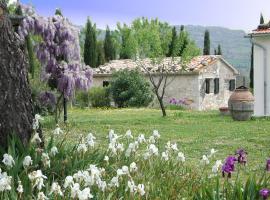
{"type": "Point", "coordinates": [195, 132]}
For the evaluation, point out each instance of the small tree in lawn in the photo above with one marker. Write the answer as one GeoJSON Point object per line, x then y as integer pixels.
{"type": "Point", "coordinates": [150, 40]}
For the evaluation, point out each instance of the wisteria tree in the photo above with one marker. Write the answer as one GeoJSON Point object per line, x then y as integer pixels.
{"type": "Point", "coordinates": [59, 55]}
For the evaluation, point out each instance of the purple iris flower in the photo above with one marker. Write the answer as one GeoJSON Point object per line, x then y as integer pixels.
{"type": "Point", "coordinates": [228, 166]}
{"type": "Point", "coordinates": [264, 193]}
{"type": "Point", "coordinates": [173, 101]}
{"type": "Point", "coordinates": [242, 156]}
{"type": "Point", "coordinates": [268, 165]}
{"type": "Point", "coordinates": [179, 102]}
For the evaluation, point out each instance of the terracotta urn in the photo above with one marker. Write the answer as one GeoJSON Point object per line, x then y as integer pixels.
{"type": "Point", "coordinates": [241, 104]}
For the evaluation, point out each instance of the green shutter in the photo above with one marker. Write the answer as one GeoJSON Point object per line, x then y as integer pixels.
{"type": "Point", "coordinates": [216, 88]}
{"type": "Point", "coordinates": [207, 86]}
{"type": "Point", "coordinates": [232, 85]}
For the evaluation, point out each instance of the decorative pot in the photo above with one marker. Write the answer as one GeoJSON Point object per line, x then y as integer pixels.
{"type": "Point", "coordinates": [241, 104]}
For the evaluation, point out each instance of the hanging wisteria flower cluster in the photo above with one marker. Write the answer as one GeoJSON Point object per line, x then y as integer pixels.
{"type": "Point", "coordinates": [58, 52]}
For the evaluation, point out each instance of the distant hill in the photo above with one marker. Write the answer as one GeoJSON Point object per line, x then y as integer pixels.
{"type": "Point", "coordinates": [235, 47]}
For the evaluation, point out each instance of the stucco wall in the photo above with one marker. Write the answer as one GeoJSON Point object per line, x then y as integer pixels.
{"type": "Point", "coordinates": [98, 80]}
{"type": "Point", "coordinates": [180, 86]}
{"type": "Point", "coordinates": [211, 100]}
{"type": "Point", "coordinates": [259, 74]}
{"type": "Point", "coordinates": [183, 86]}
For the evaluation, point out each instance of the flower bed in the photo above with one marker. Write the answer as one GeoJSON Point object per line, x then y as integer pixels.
{"type": "Point", "coordinates": [179, 104]}
{"type": "Point", "coordinates": [125, 166]}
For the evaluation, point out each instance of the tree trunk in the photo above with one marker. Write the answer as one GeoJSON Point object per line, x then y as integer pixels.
{"type": "Point", "coordinates": [16, 108]}
{"type": "Point", "coordinates": [160, 100]}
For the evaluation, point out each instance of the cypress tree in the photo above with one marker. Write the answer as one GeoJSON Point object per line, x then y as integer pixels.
{"type": "Point", "coordinates": [90, 45]}
{"type": "Point", "coordinates": [58, 12]}
{"type": "Point", "coordinates": [251, 76]}
{"type": "Point", "coordinates": [125, 52]}
{"type": "Point", "coordinates": [182, 28]}
{"type": "Point", "coordinates": [219, 51]}
{"type": "Point", "coordinates": [183, 41]}
{"type": "Point", "coordinates": [173, 44]}
{"type": "Point", "coordinates": [100, 54]}
{"type": "Point", "coordinates": [206, 48]}
{"type": "Point", "coordinates": [108, 46]}
{"type": "Point", "coordinates": [261, 19]}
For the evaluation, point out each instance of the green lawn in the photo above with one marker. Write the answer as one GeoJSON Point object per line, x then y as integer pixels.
{"type": "Point", "coordinates": [195, 132]}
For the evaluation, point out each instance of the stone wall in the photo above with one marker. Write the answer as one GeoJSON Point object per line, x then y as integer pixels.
{"type": "Point", "coordinates": [192, 86]}
{"type": "Point", "coordinates": [179, 87]}
{"type": "Point", "coordinates": [214, 101]}
{"type": "Point", "coordinates": [183, 86]}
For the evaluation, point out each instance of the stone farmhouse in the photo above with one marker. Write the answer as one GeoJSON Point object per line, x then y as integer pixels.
{"type": "Point", "coordinates": [206, 81]}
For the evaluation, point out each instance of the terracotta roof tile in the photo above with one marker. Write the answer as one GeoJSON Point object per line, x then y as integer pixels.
{"type": "Point", "coordinates": [195, 65]}
{"type": "Point", "coordinates": [261, 31]}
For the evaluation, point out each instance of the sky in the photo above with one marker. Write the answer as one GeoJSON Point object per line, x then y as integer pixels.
{"type": "Point", "coordinates": [233, 14]}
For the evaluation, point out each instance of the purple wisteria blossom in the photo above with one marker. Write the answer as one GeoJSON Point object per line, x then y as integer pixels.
{"type": "Point", "coordinates": [58, 52]}
{"type": "Point", "coordinates": [242, 156]}
{"type": "Point", "coordinates": [228, 166]}
{"type": "Point", "coordinates": [268, 165]}
{"type": "Point", "coordinates": [264, 193]}
{"type": "Point", "coordinates": [47, 99]}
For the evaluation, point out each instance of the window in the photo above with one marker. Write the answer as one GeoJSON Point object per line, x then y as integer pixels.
{"type": "Point", "coordinates": [216, 82]}
{"type": "Point", "coordinates": [207, 86]}
{"type": "Point", "coordinates": [106, 83]}
{"type": "Point", "coordinates": [232, 85]}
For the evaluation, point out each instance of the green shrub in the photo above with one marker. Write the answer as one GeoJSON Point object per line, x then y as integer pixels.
{"type": "Point", "coordinates": [82, 99]}
{"type": "Point", "coordinates": [130, 88]}
{"type": "Point", "coordinates": [37, 87]}
{"type": "Point", "coordinates": [100, 97]}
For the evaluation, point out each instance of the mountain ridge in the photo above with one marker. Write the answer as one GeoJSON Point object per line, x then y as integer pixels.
{"type": "Point", "coordinates": [236, 48]}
